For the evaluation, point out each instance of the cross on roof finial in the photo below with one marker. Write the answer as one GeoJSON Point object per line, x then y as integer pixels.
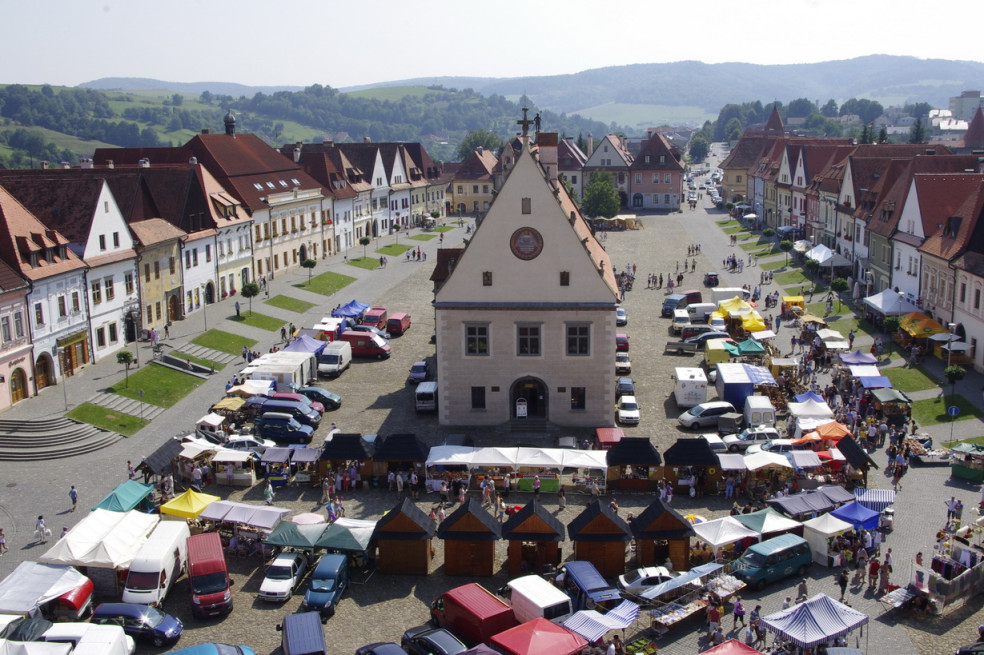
{"type": "Point", "coordinates": [525, 122]}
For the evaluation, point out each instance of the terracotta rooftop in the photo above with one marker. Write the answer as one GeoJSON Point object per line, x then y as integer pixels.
{"type": "Point", "coordinates": [29, 246]}
{"type": "Point", "coordinates": [974, 137]}
{"type": "Point", "coordinates": [657, 146]}
{"type": "Point", "coordinates": [960, 230]}
{"type": "Point", "coordinates": [153, 231]}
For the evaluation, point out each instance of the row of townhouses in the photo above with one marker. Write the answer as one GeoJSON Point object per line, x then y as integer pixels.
{"type": "Point", "coordinates": [95, 257]}
{"type": "Point", "coordinates": [902, 217]}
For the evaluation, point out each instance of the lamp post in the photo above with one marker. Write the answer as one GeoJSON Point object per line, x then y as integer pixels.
{"type": "Point", "coordinates": [60, 354]}
{"type": "Point", "coordinates": [205, 304]}
{"type": "Point", "coordinates": [901, 300]}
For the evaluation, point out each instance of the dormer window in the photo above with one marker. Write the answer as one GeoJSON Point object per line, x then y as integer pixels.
{"type": "Point", "coordinates": [34, 259]}
{"type": "Point", "coordinates": [270, 185]}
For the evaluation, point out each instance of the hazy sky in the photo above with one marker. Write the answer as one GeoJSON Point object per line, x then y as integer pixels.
{"type": "Point", "coordinates": [341, 43]}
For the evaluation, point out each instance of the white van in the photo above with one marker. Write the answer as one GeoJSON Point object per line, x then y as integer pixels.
{"type": "Point", "coordinates": [691, 386]}
{"type": "Point", "coordinates": [161, 561]}
{"type": "Point", "coordinates": [335, 358]}
{"type": "Point", "coordinates": [91, 639]}
{"type": "Point", "coordinates": [425, 397]}
{"type": "Point", "coordinates": [681, 319]}
{"type": "Point", "coordinates": [727, 293]}
{"type": "Point", "coordinates": [533, 597]}
{"type": "Point", "coordinates": [759, 411]}
{"type": "Point", "coordinates": [700, 311]}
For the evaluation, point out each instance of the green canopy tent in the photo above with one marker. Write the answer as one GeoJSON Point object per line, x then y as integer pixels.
{"type": "Point", "coordinates": [347, 536]}
{"type": "Point", "coordinates": [292, 535]}
{"type": "Point", "coordinates": [128, 496]}
{"type": "Point", "coordinates": [769, 523]}
{"type": "Point", "coordinates": [749, 347]}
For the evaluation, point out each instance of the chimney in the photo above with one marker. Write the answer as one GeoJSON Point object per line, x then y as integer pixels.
{"type": "Point", "coordinates": [590, 144]}
{"type": "Point", "coordinates": [110, 164]}
{"type": "Point", "coordinates": [44, 165]}
{"type": "Point", "coordinates": [86, 163]}
{"type": "Point", "coordinates": [145, 162]}
{"type": "Point", "coordinates": [65, 165]}
{"type": "Point", "coordinates": [230, 124]}
{"type": "Point", "coordinates": [480, 150]}
{"type": "Point", "coordinates": [366, 139]}
{"type": "Point", "coordinates": [327, 140]}
{"type": "Point", "coordinates": [297, 154]}
{"type": "Point", "coordinates": [193, 161]}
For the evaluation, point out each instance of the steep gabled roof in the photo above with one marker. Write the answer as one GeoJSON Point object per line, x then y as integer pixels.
{"type": "Point", "coordinates": [598, 523]}
{"type": "Point", "coordinates": [470, 522]}
{"type": "Point", "coordinates": [747, 151]}
{"type": "Point", "coordinates": [323, 163]}
{"type": "Point", "coordinates": [58, 198]}
{"type": "Point", "coordinates": [959, 230]}
{"type": "Point", "coordinates": [402, 448]}
{"type": "Point", "coordinates": [22, 236]}
{"type": "Point", "coordinates": [652, 150]}
{"type": "Point", "coordinates": [774, 124]}
{"type": "Point", "coordinates": [478, 165]}
{"type": "Point", "coordinates": [405, 522]}
{"type": "Point", "coordinates": [447, 259]}
{"type": "Point", "coordinates": [660, 521]}
{"type": "Point", "coordinates": [633, 450]}
{"type": "Point", "coordinates": [153, 231]}
{"type": "Point", "coordinates": [345, 447]}
{"type": "Point", "coordinates": [617, 148]}
{"type": "Point", "coordinates": [569, 156]}
{"type": "Point", "coordinates": [941, 195]}
{"type": "Point", "coordinates": [533, 523]}
{"type": "Point", "coordinates": [974, 137]}
{"type": "Point", "coordinates": [690, 452]}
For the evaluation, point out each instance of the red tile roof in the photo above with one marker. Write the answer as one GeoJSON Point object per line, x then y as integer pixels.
{"type": "Point", "coordinates": [479, 165]}
{"type": "Point", "coordinates": [959, 230]}
{"type": "Point", "coordinates": [22, 234]}
{"type": "Point", "coordinates": [974, 137]}
{"type": "Point", "coordinates": [153, 231]}
{"type": "Point", "coordinates": [657, 146]}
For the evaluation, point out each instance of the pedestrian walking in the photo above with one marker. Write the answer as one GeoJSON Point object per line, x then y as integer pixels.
{"type": "Point", "coordinates": [283, 337]}
{"type": "Point", "coordinates": [536, 486]}
{"type": "Point", "coordinates": [41, 531]}
{"type": "Point", "coordinates": [738, 612]}
{"type": "Point", "coordinates": [130, 471]}
{"type": "Point", "coordinates": [237, 309]}
{"type": "Point", "coordinates": [842, 578]}
{"type": "Point", "coordinates": [268, 493]}
{"type": "Point", "coordinates": [74, 495]}
{"type": "Point", "coordinates": [3, 542]}
{"type": "Point", "coordinates": [562, 498]}
{"type": "Point", "coordinates": [167, 330]}
{"type": "Point", "coordinates": [63, 532]}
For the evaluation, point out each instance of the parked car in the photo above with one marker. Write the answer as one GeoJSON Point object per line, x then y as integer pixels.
{"type": "Point", "coordinates": [623, 365]}
{"type": "Point", "coordinates": [972, 649]}
{"type": "Point", "coordinates": [624, 387]}
{"type": "Point", "coordinates": [283, 429]}
{"type": "Point", "coordinates": [300, 398]}
{"type": "Point", "coordinates": [621, 316]}
{"type": "Point", "coordinates": [329, 400]}
{"type": "Point", "coordinates": [419, 372]}
{"type": "Point", "coordinates": [247, 442]}
{"type": "Point", "coordinates": [215, 649]}
{"type": "Point", "coordinates": [381, 648]}
{"type": "Point", "coordinates": [638, 580]}
{"type": "Point", "coordinates": [622, 342]}
{"type": "Point", "coordinates": [369, 328]}
{"type": "Point", "coordinates": [427, 640]}
{"type": "Point", "coordinates": [711, 280]}
{"type": "Point", "coordinates": [705, 414]}
{"type": "Point", "coordinates": [749, 436]}
{"type": "Point", "coordinates": [701, 339]}
{"type": "Point", "coordinates": [329, 580]}
{"type": "Point", "coordinates": [142, 622]}
{"type": "Point", "coordinates": [627, 411]}
{"type": "Point", "coordinates": [282, 577]}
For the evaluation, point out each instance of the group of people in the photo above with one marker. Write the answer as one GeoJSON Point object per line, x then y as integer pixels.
{"type": "Point", "coordinates": [397, 480]}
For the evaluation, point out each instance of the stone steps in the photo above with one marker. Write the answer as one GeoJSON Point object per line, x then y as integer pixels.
{"type": "Point", "coordinates": [125, 405]}
{"type": "Point", "coordinates": [51, 439]}
{"type": "Point", "coordinates": [208, 353]}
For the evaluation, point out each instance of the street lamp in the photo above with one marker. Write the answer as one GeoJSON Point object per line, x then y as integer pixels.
{"type": "Point", "coordinates": [60, 354]}
{"type": "Point", "coordinates": [205, 304]}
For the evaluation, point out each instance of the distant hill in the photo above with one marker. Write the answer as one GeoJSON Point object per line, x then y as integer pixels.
{"type": "Point", "coordinates": [148, 84]}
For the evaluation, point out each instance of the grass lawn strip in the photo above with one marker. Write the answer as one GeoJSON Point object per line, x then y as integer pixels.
{"type": "Point", "coordinates": [792, 277]}
{"type": "Point", "coordinates": [328, 284]}
{"type": "Point", "coordinates": [394, 250]}
{"type": "Point", "coordinates": [735, 229]}
{"type": "Point", "coordinates": [225, 342]}
{"type": "Point", "coordinates": [444, 228]}
{"type": "Point", "coordinates": [977, 440]}
{"type": "Point", "coordinates": [772, 266]}
{"type": "Point", "coordinates": [932, 411]}
{"type": "Point", "coordinates": [199, 360]}
{"type": "Point", "coordinates": [423, 237]}
{"type": "Point", "coordinates": [162, 386]}
{"type": "Point", "coordinates": [261, 321]}
{"type": "Point", "coordinates": [368, 263]}
{"type": "Point", "coordinates": [108, 419]}
{"type": "Point", "coordinates": [289, 304]}
{"type": "Point", "coordinates": [910, 379]}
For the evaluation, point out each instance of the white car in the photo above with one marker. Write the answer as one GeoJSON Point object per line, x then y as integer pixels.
{"type": "Point", "coordinates": [621, 317]}
{"type": "Point", "coordinates": [283, 577]}
{"type": "Point", "coordinates": [627, 411]}
{"type": "Point", "coordinates": [749, 437]}
{"type": "Point", "coordinates": [623, 365]}
{"type": "Point", "coordinates": [247, 442]}
{"type": "Point", "coordinates": [637, 581]}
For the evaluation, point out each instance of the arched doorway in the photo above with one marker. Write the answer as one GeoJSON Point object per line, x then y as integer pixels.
{"type": "Point", "coordinates": [44, 371]}
{"type": "Point", "coordinates": [303, 252]}
{"type": "Point", "coordinates": [623, 199]}
{"type": "Point", "coordinates": [532, 393]}
{"type": "Point", "coordinates": [130, 326]}
{"type": "Point", "coordinates": [244, 275]}
{"type": "Point", "coordinates": [209, 293]}
{"type": "Point", "coordinates": [18, 385]}
{"type": "Point", "coordinates": [173, 308]}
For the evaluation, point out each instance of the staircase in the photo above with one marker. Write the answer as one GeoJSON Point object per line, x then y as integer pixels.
{"type": "Point", "coordinates": [43, 439]}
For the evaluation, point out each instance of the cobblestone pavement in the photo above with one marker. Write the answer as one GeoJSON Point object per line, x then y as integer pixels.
{"type": "Point", "coordinates": [376, 400]}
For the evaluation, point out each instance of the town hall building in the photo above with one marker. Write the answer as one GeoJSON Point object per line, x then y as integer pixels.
{"type": "Point", "coordinates": [526, 311]}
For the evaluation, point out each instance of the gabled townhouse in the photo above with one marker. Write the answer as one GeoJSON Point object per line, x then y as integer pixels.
{"type": "Point", "coordinates": [16, 349]}
{"type": "Point", "coordinates": [734, 168]}
{"type": "Point", "coordinates": [570, 165]}
{"type": "Point", "coordinates": [428, 186]}
{"type": "Point", "coordinates": [656, 175]}
{"type": "Point", "coordinates": [81, 206]}
{"type": "Point", "coordinates": [472, 185]}
{"type": "Point", "coordinates": [825, 194]}
{"type": "Point", "coordinates": [611, 156]}
{"type": "Point", "coordinates": [367, 158]}
{"type": "Point", "coordinates": [810, 158]}
{"type": "Point", "coordinates": [159, 273]}
{"type": "Point", "coordinates": [874, 258]}
{"type": "Point", "coordinates": [59, 321]}
{"type": "Point", "coordinates": [400, 186]}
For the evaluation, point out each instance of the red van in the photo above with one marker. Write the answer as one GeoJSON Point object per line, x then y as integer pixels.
{"type": "Point", "coordinates": [209, 576]}
{"type": "Point", "coordinates": [366, 344]}
{"type": "Point", "coordinates": [398, 323]}
{"type": "Point", "coordinates": [472, 614]}
{"type": "Point", "coordinates": [376, 317]}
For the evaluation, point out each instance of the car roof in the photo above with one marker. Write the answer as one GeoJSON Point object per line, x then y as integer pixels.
{"type": "Point", "coordinates": [120, 609]}
{"type": "Point", "coordinates": [628, 399]}
{"type": "Point", "coordinates": [286, 558]}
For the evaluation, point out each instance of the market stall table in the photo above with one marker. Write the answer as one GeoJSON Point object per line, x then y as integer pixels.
{"type": "Point", "coordinates": [276, 464]}
{"type": "Point", "coordinates": [235, 468]}
{"type": "Point", "coordinates": [634, 464]}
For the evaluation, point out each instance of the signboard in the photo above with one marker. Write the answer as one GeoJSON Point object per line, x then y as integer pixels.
{"type": "Point", "coordinates": [521, 408]}
{"type": "Point", "coordinates": [953, 411]}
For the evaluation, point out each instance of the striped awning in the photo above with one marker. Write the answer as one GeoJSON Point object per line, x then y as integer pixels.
{"type": "Point", "coordinates": [593, 626]}
{"type": "Point", "coordinates": [875, 499]}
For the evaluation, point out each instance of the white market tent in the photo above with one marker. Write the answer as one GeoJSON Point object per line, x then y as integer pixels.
{"type": "Point", "coordinates": [33, 584]}
{"type": "Point", "coordinates": [263, 517]}
{"type": "Point", "coordinates": [864, 371]}
{"type": "Point", "coordinates": [765, 459]}
{"type": "Point", "coordinates": [826, 256]}
{"type": "Point", "coordinates": [762, 335]}
{"type": "Point", "coordinates": [103, 539]}
{"type": "Point", "coordinates": [818, 530]}
{"type": "Point", "coordinates": [807, 425]}
{"type": "Point", "coordinates": [804, 459]}
{"type": "Point", "coordinates": [810, 409]}
{"type": "Point", "coordinates": [827, 334]}
{"type": "Point", "coordinates": [731, 462]}
{"type": "Point", "coordinates": [516, 458]}
{"type": "Point", "coordinates": [8, 647]}
{"type": "Point", "coordinates": [887, 303]}
{"type": "Point", "coordinates": [814, 621]}
{"type": "Point", "coordinates": [721, 532]}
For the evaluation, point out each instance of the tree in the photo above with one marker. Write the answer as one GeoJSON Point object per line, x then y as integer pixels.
{"type": "Point", "coordinates": [800, 108]}
{"type": "Point", "coordinates": [699, 147]}
{"type": "Point", "coordinates": [768, 232]}
{"type": "Point", "coordinates": [206, 97]}
{"type": "Point", "coordinates": [177, 99]}
{"type": "Point", "coordinates": [890, 324]}
{"type": "Point", "coordinates": [883, 134]}
{"type": "Point", "coordinates": [600, 197]}
{"type": "Point", "coordinates": [249, 291]}
{"type": "Point", "coordinates": [917, 133]}
{"type": "Point", "coordinates": [839, 285]}
{"type": "Point", "coordinates": [953, 374]}
{"type": "Point", "coordinates": [812, 266]}
{"type": "Point", "coordinates": [476, 138]}
{"type": "Point", "coordinates": [125, 357]}
{"type": "Point", "coordinates": [733, 130]}
{"type": "Point", "coordinates": [865, 135]}
{"type": "Point", "coordinates": [364, 241]}
{"type": "Point", "coordinates": [309, 264]}
{"type": "Point", "coordinates": [786, 245]}
{"type": "Point", "coordinates": [830, 109]}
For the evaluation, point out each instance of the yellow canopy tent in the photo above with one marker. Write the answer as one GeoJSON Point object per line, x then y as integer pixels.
{"type": "Point", "coordinates": [810, 318]}
{"type": "Point", "coordinates": [189, 504]}
{"type": "Point", "coordinates": [752, 322]}
{"type": "Point", "coordinates": [795, 301]}
{"type": "Point", "coordinates": [734, 306]}
{"type": "Point", "coordinates": [919, 325]}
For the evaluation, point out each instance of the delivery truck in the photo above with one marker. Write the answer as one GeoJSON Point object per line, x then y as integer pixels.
{"type": "Point", "coordinates": [334, 359]}
{"type": "Point", "coordinates": [691, 386]}
{"type": "Point", "coordinates": [472, 613]}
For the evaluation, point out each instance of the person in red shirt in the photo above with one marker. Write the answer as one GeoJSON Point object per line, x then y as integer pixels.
{"type": "Point", "coordinates": [713, 618]}
{"type": "Point", "coordinates": [873, 571]}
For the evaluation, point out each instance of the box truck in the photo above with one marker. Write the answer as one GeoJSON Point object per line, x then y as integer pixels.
{"type": "Point", "coordinates": [472, 613]}
{"type": "Point", "coordinates": [691, 386]}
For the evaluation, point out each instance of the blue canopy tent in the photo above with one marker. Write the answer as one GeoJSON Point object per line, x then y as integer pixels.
{"type": "Point", "coordinates": [306, 344]}
{"type": "Point", "coordinates": [810, 395]}
{"type": "Point", "coordinates": [876, 382]}
{"type": "Point", "coordinates": [857, 515]}
{"type": "Point", "coordinates": [858, 358]}
{"type": "Point", "coordinates": [351, 309]}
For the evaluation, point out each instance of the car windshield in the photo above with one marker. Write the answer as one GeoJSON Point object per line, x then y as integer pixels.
{"type": "Point", "coordinates": [632, 577]}
{"type": "Point", "coordinates": [278, 572]}
{"type": "Point", "coordinates": [323, 585]}
{"type": "Point", "coordinates": [697, 411]}
{"type": "Point", "coordinates": [418, 368]}
{"type": "Point", "coordinates": [210, 583]}
{"type": "Point", "coordinates": [153, 617]}
{"type": "Point", "coordinates": [630, 406]}
{"type": "Point", "coordinates": [753, 559]}
{"type": "Point", "coordinates": [226, 649]}
{"type": "Point", "coordinates": [143, 580]}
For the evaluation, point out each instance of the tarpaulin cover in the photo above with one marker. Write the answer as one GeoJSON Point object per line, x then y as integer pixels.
{"type": "Point", "coordinates": [731, 462]}
{"type": "Point", "coordinates": [351, 309]}
{"type": "Point", "coordinates": [863, 371]}
{"type": "Point", "coordinates": [857, 515]}
{"type": "Point", "coordinates": [804, 459]}
{"type": "Point", "coordinates": [809, 395]}
{"type": "Point", "coordinates": [767, 521]}
{"type": "Point", "coordinates": [833, 493]}
{"type": "Point", "coordinates": [292, 535]}
{"type": "Point", "coordinates": [876, 382]}
{"type": "Point", "coordinates": [887, 303]}
{"type": "Point", "coordinates": [765, 459]}
{"type": "Point", "coordinates": [747, 347]}
{"type": "Point", "coordinates": [802, 503]}
{"type": "Point", "coordinates": [32, 584]}
{"type": "Point", "coordinates": [918, 325]}
{"type": "Point", "coordinates": [752, 322]}
{"type": "Point", "coordinates": [536, 637]}
{"type": "Point", "coordinates": [810, 409]}
{"type": "Point", "coordinates": [593, 625]}
{"type": "Point", "coordinates": [827, 525]}
{"type": "Point", "coordinates": [814, 621]}
{"type": "Point", "coordinates": [126, 496]}
{"type": "Point", "coordinates": [347, 535]}
{"type": "Point", "coordinates": [257, 516]}
{"type": "Point", "coordinates": [734, 647]}
{"type": "Point", "coordinates": [189, 504]}
{"type": "Point", "coordinates": [305, 344]}
{"type": "Point", "coordinates": [103, 539]}
{"type": "Point", "coordinates": [857, 358]}
{"type": "Point", "coordinates": [724, 531]}
{"type": "Point", "coordinates": [680, 581]}
{"type": "Point", "coordinates": [875, 499]}
{"type": "Point", "coordinates": [762, 335]}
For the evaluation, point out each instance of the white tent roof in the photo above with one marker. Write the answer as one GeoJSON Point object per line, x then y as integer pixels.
{"type": "Point", "coordinates": [804, 459]}
{"type": "Point", "coordinates": [721, 532]}
{"type": "Point", "coordinates": [827, 333]}
{"type": "Point", "coordinates": [825, 255]}
{"type": "Point", "coordinates": [230, 455]}
{"type": "Point", "coordinates": [515, 458]}
{"type": "Point", "coordinates": [864, 371]}
{"type": "Point", "coordinates": [252, 388]}
{"type": "Point", "coordinates": [765, 459]}
{"type": "Point", "coordinates": [810, 409]}
{"type": "Point", "coordinates": [32, 584]}
{"type": "Point", "coordinates": [731, 462]}
{"type": "Point", "coordinates": [210, 419]}
{"type": "Point", "coordinates": [449, 456]}
{"type": "Point", "coordinates": [103, 539]}
{"type": "Point", "coordinates": [827, 525]}
{"type": "Point", "coordinates": [34, 647]}
{"type": "Point", "coordinates": [762, 335]}
{"type": "Point", "coordinates": [887, 303]}
{"type": "Point", "coordinates": [542, 457]}
{"type": "Point", "coordinates": [805, 425]}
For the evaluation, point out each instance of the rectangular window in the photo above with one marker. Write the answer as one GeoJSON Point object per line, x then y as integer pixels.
{"type": "Point", "coordinates": [474, 188]}
{"type": "Point", "coordinates": [62, 307]}
{"type": "Point", "coordinates": [194, 257]}
{"type": "Point", "coordinates": [76, 302]}
{"type": "Point", "coordinates": [187, 259]}
{"type": "Point", "coordinates": [96, 292]}
{"type": "Point", "coordinates": [638, 178]}
{"type": "Point", "coordinates": [476, 339]}
{"type": "Point", "coordinates": [38, 314]}
{"type": "Point", "coordinates": [100, 337]}
{"type": "Point", "coordinates": [150, 313]}
{"type": "Point", "coordinates": [19, 325]}
{"type": "Point", "coordinates": [102, 241]}
{"type": "Point", "coordinates": [527, 205]}
{"type": "Point", "coordinates": [5, 328]}
{"type": "Point", "coordinates": [157, 310]}
{"type": "Point", "coordinates": [963, 292]}
{"type": "Point", "coordinates": [108, 288]}
{"type": "Point", "coordinates": [208, 253]}
{"type": "Point", "coordinates": [478, 397]}
{"type": "Point", "coordinates": [666, 199]}
{"type": "Point", "coordinates": [578, 339]}
{"type": "Point", "coordinates": [461, 189]}
{"type": "Point", "coordinates": [578, 396]}
{"type": "Point", "coordinates": [667, 178]}
{"type": "Point", "coordinates": [977, 298]}
{"type": "Point", "coordinates": [528, 340]}
{"type": "Point", "coordinates": [171, 264]}
{"type": "Point", "coordinates": [655, 178]}
{"type": "Point", "coordinates": [147, 272]}
{"type": "Point", "coordinates": [276, 261]}
{"type": "Point", "coordinates": [113, 336]}
{"type": "Point", "coordinates": [128, 281]}
{"type": "Point", "coordinates": [565, 278]}
{"type": "Point", "coordinates": [116, 239]}
{"type": "Point", "coordinates": [486, 278]}
{"type": "Point", "coordinates": [157, 270]}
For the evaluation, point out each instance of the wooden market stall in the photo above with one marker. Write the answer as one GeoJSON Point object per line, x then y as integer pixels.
{"type": "Point", "coordinates": [276, 466]}
{"type": "Point", "coordinates": [342, 451]}
{"type": "Point", "coordinates": [403, 540]}
{"type": "Point", "coordinates": [469, 536]}
{"type": "Point", "coordinates": [967, 462]}
{"type": "Point", "coordinates": [691, 464]}
{"type": "Point", "coordinates": [893, 405]}
{"type": "Point", "coordinates": [400, 452]}
{"type": "Point", "coordinates": [634, 463]}
{"type": "Point", "coordinates": [534, 536]}
{"type": "Point", "coordinates": [160, 463]}
{"type": "Point", "coordinates": [193, 455]}
{"type": "Point", "coordinates": [600, 537]}
{"type": "Point", "coordinates": [235, 468]}
{"type": "Point", "coordinates": [305, 463]}
{"type": "Point", "coordinates": [662, 534]}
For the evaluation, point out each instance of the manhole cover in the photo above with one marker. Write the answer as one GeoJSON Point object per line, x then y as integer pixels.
{"type": "Point", "coordinates": [10, 485]}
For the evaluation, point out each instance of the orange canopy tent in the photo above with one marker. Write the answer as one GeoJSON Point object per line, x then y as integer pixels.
{"type": "Point", "coordinates": [919, 325]}
{"type": "Point", "coordinates": [829, 432]}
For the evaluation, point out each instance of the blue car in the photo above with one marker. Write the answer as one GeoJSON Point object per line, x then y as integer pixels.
{"type": "Point", "coordinates": [215, 649]}
{"type": "Point", "coordinates": [142, 622]}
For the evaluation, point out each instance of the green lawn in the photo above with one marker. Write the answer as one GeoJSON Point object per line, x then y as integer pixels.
{"type": "Point", "coordinates": [746, 236]}
{"type": "Point", "coordinates": [225, 342]}
{"type": "Point", "coordinates": [932, 411]}
{"type": "Point", "coordinates": [162, 386]}
{"type": "Point", "coordinates": [910, 379]}
{"type": "Point", "coordinates": [108, 419]}
{"type": "Point", "coordinates": [423, 237]}
{"type": "Point", "coordinates": [327, 284]}
{"type": "Point", "coordinates": [728, 222]}
{"type": "Point", "coordinates": [394, 250]}
{"type": "Point", "coordinates": [199, 360]}
{"type": "Point", "coordinates": [262, 321]}
{"type": "Point", "coordinates": [368, 263]}
{"type": "Point", "coordinates": [977, 440]}
{"type": "Point", "coordinates": [444, 228]}
{"type": "Point", "coordinates": [290, 304]}
{"type": "Point", "coordinates": [773, 266]}
{"type": "Point", "coordinates": [790, 278]}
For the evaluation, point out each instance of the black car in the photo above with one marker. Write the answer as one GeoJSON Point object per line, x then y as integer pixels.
{"type": "Point", "coordinates": [142, 622]}
{"type": "Point", "coordinates": [330, 400]}
{"type": "Point", "coordinates": [381, 648]}
{"type": "Point", "coordinates": [428, 640]}
{"type": "Point", "coordinates": [972, 649]}
{"type": "Point", "coordinates": [711, 280]}
{"type": "Point", "coordinates": [624, 387]}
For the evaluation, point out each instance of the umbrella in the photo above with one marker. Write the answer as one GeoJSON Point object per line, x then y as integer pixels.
{"type": "Point", "coordinates": [307, 518]}
{"type": "Point", "coordinates": [811, 318]}
{"type": "Point", "coordinates": [695, 519]}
